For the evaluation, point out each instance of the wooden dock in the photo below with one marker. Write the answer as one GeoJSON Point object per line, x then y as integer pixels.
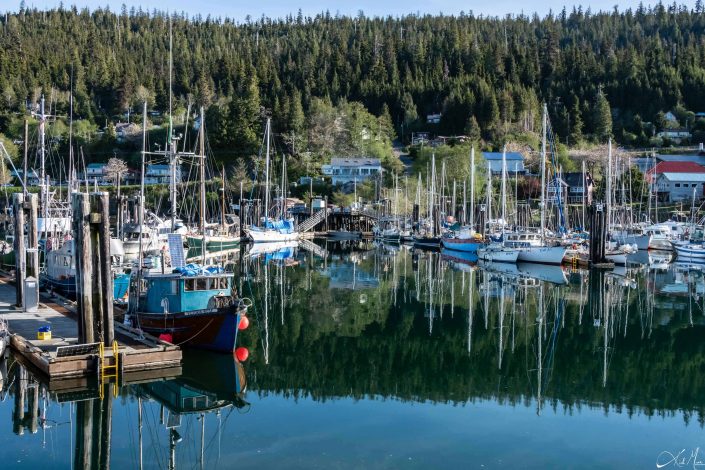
{"type": "Point", "coordinates": [62, 357]}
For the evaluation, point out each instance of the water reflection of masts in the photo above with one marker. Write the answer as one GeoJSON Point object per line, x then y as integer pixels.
{"type": "Point", "coordinates": [539, 357]}
{"type": "Point", "coordinates": [501, 325]}
{"type": "Point", "coordinates": [265, 346]}
{"type": "Point", "coordinates": [471, 286]}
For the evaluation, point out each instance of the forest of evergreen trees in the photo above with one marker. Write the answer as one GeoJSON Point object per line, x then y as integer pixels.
{"type": "Point", "coordinates": [601, 74]}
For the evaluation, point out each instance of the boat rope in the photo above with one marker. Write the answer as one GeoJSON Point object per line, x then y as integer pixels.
{"type": "Point", "coordinates": [198, 333]}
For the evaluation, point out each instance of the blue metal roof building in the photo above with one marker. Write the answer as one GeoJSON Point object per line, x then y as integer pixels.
{"type": "Point", "coordinates": [515, 162]}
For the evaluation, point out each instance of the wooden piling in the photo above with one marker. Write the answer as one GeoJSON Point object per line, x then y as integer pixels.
{"type": "Point", "coordinates": [84, 267]}
{"type": "Point", "coordinates": [19, 247]}
{"type": "Point", "coordinates": [100, 202]}
{"type": "Point", "coordinates": [32, 237]}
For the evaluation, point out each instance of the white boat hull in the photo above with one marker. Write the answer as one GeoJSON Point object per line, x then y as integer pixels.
{"type": "Point", "coordinates": [270, 236]}
{"type": "Point", "coordinates": [542, 254]}
{"type": "Point", "coordinates": [498, 255]}
{"type": "Point", "coordinates": [690, 252]}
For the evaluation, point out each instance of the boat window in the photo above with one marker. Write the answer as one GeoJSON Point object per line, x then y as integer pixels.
{"type": "Point", "coordinates": [223, 281]}
{"type": "Point", "coordinates": [189, 284]}
{"type": "Point", "coordinates": [174, 287]}
{"type": "Point", "coordinates": [202, 283]}
{"type": "Point", "coordinates": [66, 260]}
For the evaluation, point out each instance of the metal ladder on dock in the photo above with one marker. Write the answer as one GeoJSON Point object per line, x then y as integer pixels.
{"type": "Point", "coordinates": [108, 372]}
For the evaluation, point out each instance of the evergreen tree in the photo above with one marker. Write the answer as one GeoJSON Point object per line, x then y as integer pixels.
{"type": "Point", "coordinates": [576, 123]}
{"type": "Point", "coordinates": [602, 116]}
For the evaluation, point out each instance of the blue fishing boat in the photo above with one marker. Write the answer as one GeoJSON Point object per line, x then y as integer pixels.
{"type": "Point", "coordinates": [464, 240]}
{"type": "Point", "coordinates": [192, 306]}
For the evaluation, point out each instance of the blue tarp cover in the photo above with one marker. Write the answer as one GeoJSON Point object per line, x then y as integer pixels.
{"type": "Point", "coordinates": [196, 270]}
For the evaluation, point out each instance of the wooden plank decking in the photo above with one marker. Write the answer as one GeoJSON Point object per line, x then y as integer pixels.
{"type": "Point", "coordinates": [138, 352]}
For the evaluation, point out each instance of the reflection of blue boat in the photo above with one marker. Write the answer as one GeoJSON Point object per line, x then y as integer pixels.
{"type": "Point", "coordinates": [465, 257]}
{"type": "Point", "coordinates": [209, 382]}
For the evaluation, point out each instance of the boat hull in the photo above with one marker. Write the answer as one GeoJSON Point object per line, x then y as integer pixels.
{"type": "Point", "coordinates": [214, 243]}
{"type": "Point", "coordinates": [427, 242]}
{"type": "Point", "coordinates": [461, 244]}
{"type": "Point", "coordinates": [542, 254]}
{"type": "Point", "coordinates": [268, 236]}
{"type": "Point", "coordinates": [343, 235]}
{"type": "Point", "coordinates": [498, 255]}
{"type": "Point", "coordinates": [214, 329]}
{"type": "Point", "coordinates": [690, 252]}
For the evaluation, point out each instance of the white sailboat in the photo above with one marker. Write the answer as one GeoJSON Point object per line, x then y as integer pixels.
{"type": "Point", "coordinates": [496, 251]}
{"type": "Point", "coordinates": [532, 246]}
{"type": "Point", "coordinates": [281, 230]}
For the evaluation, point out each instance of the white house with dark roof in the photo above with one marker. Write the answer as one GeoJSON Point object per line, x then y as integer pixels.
{"type": "Point", "coordinates": [673, 187]}
{"type": "Point", "coordinates": [346, 170]}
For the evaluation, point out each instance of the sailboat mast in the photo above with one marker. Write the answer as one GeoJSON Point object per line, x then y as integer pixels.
{"type": "Point", "coordinates": [266, 174]}
{"type": "Point", "coordinates": [608, 195]}
{"type": "Point", "coordinates": [543, 170]}
{"type": "Point", "coordinates": [472, 187]}
{"type": "Point", "coordinates": [489, 193]}
{"type": "Point", "coordinates": [202, 170]}
{"type": "Point", "coordinates": [431, 195]}
{"type": "Point", "coordinates": [504, 187]}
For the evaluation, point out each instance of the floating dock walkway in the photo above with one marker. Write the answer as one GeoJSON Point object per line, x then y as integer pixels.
{"type": "Point", "coordinates": [62, 357]}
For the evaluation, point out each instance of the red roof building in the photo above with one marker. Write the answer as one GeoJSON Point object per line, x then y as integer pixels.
{"type": "Point", "coordinates": [674, 167]}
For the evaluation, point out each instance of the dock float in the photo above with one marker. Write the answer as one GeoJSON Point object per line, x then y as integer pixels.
{"type": "Point", "coordinates": [62, 357]}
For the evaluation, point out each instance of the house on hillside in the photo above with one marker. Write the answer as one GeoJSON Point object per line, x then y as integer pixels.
{"type": "Point", "coordinates": [579, 188]}
{"type": "Point", "coordinates": [553, 187]}
{"type": "Point", "coordinates": [346, 170]}
{"type": "Point", "coordinates": [676, 135]}
{"type": "Point", "coordinates": [515, 162]}
{"type": "Point", "coordinates": [95, 173]}
{"type": "Point", "coordinates": [161, 174]}
{"type": "Point", "coordinates": [674, 187]}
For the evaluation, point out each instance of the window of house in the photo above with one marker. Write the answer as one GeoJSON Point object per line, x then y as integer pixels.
{"type": "Point", "coordinates": [678, 185]}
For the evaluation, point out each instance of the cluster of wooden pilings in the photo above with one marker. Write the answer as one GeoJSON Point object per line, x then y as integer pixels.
{"type": "Point", "coordinates": [94, 289]}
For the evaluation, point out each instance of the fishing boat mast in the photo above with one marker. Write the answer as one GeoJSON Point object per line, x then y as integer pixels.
{"type": "Point", "coordinates": [202, 170]}
{"type": "Point", "coordinates": [140, 214]}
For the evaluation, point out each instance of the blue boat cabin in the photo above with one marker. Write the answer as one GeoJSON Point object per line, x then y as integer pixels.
{"type": "Point", "coordinates": [171, 293]}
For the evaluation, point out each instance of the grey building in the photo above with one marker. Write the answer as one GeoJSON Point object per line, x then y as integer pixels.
{"type": "Point", "coordinates": [673, 187]}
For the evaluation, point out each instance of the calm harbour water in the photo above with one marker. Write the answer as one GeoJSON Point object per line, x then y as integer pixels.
{"type": "Point", "coordinates": [367, 356]}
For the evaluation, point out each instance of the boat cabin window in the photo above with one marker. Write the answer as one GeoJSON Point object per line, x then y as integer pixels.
{"type": "Point", "coordinates": [206, 283]}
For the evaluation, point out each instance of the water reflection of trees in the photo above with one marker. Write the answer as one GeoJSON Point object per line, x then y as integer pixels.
{"type": "Point", "coordinates": [417, 336]}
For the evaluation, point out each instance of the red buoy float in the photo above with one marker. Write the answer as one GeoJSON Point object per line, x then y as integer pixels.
{"type": "Point", "coordinates": [244, 323]}
{"type": "Point", "coordinates": [242, 354]}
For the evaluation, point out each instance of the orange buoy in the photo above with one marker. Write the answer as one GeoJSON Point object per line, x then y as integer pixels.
{"type": "Point", "coordinates": [244, 323]}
